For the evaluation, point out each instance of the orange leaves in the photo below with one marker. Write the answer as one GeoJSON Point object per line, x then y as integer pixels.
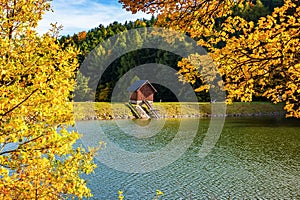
{"type": "Point", "coordinates": [81, 35]}
{"type": "Point", "coordinates": [202, 88]}
{"type": "Point", "coordinates": [257, 58]}
{"type": "Point", "coordinates": [268, 53]}
{"type": "Point", "coordinates": [195, 17]}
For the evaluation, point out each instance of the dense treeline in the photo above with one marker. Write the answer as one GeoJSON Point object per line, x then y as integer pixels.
{"type": "Point", "coordinates": [90, 40]}
{"type": "Point", "coordinates": [94, 39]}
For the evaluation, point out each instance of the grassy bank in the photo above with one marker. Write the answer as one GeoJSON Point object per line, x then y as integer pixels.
{"type": "Point", "coordinates": [104, 110]}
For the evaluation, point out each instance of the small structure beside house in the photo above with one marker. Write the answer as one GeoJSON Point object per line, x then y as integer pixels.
{"type": "Point", "coordinates": [142, 94]}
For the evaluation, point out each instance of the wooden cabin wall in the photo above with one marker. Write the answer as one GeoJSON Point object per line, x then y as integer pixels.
{"type": "Point", "coordinates": [146, 92]}
{"type": "Point", "coordinates": [133, 96]}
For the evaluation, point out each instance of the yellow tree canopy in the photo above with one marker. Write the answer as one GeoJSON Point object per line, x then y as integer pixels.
{"type": "Point", "coordinates": [256, 58]}
{"type": "Point", "coordinates": [37, 160]}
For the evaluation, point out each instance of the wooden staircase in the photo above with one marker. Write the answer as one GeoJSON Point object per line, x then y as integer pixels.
{"type": "Point", "coordinates": [141, 113]}
{"type": "Point", "coordinates": [138, 111]}
{"type": "Point", "coordinates": [133, 110]}
{"type": "Point", "coordinates": [153, 113]}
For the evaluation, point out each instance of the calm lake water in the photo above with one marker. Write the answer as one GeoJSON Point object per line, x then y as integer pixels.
{"type": "Point", "coordinates": [254, 158]}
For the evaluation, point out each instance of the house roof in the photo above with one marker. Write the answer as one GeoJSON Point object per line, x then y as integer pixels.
{"type": "Point", "coordinates": [138, 84]}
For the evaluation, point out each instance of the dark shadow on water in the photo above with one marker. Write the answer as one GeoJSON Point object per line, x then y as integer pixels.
{"type": "Point", "coordinates": [262, 121]}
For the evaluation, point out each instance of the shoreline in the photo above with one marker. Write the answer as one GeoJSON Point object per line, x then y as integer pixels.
{"type": "Point", "coordinates": [187, 117]}
{"type": "Point", "coordinates": [85, 111]}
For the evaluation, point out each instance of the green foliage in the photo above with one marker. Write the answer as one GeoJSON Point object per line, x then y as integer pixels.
{"type": "Point", "coordinates": [87, 41]}
{"type": "Point", "coordinates": [272, 4]}
{"type": "Point", "coordinates": [255, 49]}
{"type": "Point", "coordinates": [250, 11]}
{"type": "Point", "coordinates": [82, 92]}
{"type": "Point", "coordinates": [97, 39]}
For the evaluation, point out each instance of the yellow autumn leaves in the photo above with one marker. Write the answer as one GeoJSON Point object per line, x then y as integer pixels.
{"type": "Point", "coordinates": [37, 160]}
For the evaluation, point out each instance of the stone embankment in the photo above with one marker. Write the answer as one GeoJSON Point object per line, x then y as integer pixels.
{"type": "Point", "coordinates": [118, 116]}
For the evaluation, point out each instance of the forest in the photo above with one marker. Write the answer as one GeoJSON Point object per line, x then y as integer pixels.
{"type": "Point", "coordinates": [92, 39]}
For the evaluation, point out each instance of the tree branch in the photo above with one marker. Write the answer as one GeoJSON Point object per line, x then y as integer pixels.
{"type": "Point", "coordinates": [16, 106]}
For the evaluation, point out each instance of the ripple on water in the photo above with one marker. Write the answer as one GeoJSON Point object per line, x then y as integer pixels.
{"type": "Point", "coordinates": [252, 160]}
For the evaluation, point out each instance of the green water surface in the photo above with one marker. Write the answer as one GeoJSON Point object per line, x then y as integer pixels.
{"type": "Point", "coordinates": [254, 158]}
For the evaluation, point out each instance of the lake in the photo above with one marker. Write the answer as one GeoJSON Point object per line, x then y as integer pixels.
{"type": "Point", "coordinates": [253, 158]}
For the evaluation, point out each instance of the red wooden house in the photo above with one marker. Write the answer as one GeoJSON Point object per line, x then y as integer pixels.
{"type": "Point", "coordinates": [141, 91]}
